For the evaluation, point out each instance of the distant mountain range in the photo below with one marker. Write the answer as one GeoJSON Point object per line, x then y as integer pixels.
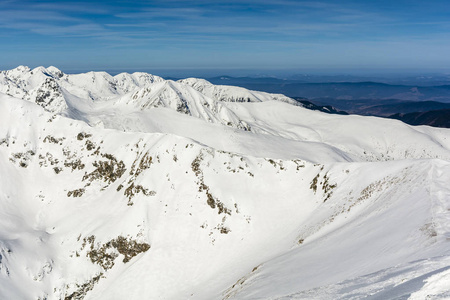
{"type": "Point", "coordinates": [420, 80]}
{"type": "Point", "coordinates": [340, 90]}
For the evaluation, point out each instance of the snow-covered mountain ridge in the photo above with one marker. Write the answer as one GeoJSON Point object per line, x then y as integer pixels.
{"type": "Point", "coordinates": [53, 90]}
{"type": "Point", "coordinates": [136, 187]}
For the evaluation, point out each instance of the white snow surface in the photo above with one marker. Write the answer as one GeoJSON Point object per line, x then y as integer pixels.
{"type": "Point", "coordinates": [136, 187]}
{"type": "Point", "coordinates": [233, 93]}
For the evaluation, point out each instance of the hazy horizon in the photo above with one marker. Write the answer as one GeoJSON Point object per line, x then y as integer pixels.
{"type": "Point", "coordinates": [255, 73]}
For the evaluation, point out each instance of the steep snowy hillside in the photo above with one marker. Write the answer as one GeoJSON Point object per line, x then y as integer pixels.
{"type": "Point", "coordinates": [182, 99]}
{"type": "Point", "coordinates": [134, 187]}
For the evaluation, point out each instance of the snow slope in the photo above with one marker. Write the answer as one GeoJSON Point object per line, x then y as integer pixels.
{"type": "Point", "coordinates": [232, 93]}
{"type": "Point", "coordinates": [136, 187]}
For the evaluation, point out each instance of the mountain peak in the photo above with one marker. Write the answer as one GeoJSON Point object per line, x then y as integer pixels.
{"type": "Point", "coordinates": [55, 71]}
{"type": "Point", "coordinates": [21, 69]}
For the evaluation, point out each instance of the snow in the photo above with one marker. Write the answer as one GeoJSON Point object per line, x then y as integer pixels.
{"type": "Point", "coordinates": [236, 200]}
{"type": "Point", "coordinates": [233, 94]}
{"type": "Point", "coordinates": [436, 286]}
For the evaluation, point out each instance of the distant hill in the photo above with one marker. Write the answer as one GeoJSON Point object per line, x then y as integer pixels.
{"type": "Point", "coordinates": [435, 118]}
{"type": "Point", "coordinates": [404, 108]}
{"type": "Point", "coordinates": [383, 107]}
{"type": "Point", "coordinates": [430, 113]}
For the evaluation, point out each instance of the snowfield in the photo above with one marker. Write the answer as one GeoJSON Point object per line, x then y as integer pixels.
{"type": "Point", "coordinates": [136, 187]}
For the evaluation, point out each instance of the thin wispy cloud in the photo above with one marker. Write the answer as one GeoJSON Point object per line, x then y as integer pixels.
{"type": "Point", "coordinates": [163, 12]}
{"type": "Point", "coordinates": [85, 8]}
{"type": "Point", "coordinates": [17, 16]}
{"type": "Point", "coordinates": [80, 30]}
{"type": "Point", "coordinates": [263, 17]}
{"type": "Point", "coordinates": [218, 26]}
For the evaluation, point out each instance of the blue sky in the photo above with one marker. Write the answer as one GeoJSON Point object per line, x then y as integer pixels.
{"type": "Point", "coordinates": [298, 36]}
